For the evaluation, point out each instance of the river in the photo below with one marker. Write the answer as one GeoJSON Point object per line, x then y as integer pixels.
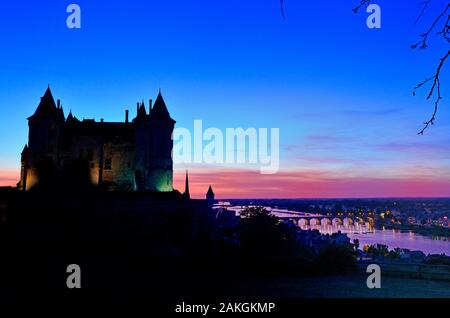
{"type": "Point", "coordinates": [391, 238]}
{"type": "Point", "coordinates": [369, 235]}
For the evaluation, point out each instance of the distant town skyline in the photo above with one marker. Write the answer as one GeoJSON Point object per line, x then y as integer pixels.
{"type": "Point", "coordinates": [340, 93]}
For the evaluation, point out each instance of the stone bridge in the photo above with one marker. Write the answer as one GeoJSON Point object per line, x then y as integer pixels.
{"type": "Point", "coordinates": [329, 220]}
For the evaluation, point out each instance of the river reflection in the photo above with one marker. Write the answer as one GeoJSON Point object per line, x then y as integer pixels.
{"type": "Point", "coordinates": [367, 234]}
{"type": "Point", "coordinates": [364, 232]}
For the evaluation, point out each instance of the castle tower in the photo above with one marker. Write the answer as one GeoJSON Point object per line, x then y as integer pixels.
{"type": "Point", "coordinates": [44, 134]}
{"type": "Point", "coordinates": [210, 196]}
{"type": "Point", "coordinates": [24, 166]}
{"type": "Point", "coordinates": [154, 145]}
{"type": "Point", "coordinates": [42, 124]}
{"type": "Point", "coordinates": [143, 137]}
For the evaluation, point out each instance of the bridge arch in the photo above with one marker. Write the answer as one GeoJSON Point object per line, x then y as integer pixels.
{"type": "Point", "coordinates": [348, 221]}
{"type": "Point", "coordinates": [303, 222]}
{"type": "Point", "coordinates": [337, 221]}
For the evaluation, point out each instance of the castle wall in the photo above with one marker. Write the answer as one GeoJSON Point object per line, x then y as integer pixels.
{"type": "Point", "coordinates": [88, 149]}
{"type": "Point", "coordinates": [31, 178]}
{"type": "Point", "coordinates": [160, 180]}
{"type": "Point", "coordinates": [154, 156]}
{"type": "Point", "coordinates": [118, 166]}
{"type": "Point", "coordinates": [160, 161]}
{"type": "Point", "coordinates": [43, 139]}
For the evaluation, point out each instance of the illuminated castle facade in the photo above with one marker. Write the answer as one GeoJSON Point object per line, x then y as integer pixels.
{"type": "Point", "coordinates": [126, 156]}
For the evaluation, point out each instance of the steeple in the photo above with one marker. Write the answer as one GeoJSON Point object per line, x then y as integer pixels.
{"type": "Point", "coordinates": [210, 196]}
{"type": "Point", "coordinates": [186, 187]}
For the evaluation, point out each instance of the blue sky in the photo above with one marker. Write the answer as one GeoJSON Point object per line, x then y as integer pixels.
{"type": "Point", "coordinates": [339, 92]}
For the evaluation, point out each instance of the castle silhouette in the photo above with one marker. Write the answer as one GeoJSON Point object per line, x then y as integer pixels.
{"type": "Point", "coordinates": [126, 156]}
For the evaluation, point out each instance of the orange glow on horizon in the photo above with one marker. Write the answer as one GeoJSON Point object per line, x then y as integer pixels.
{"type": "Point", "coordinates": [234, 183]}
{"type": "Point", "coordinates": [9, 177]}
{"type": "Point", "coordinates": [299, 184]}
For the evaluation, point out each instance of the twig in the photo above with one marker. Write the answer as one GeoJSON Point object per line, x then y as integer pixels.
{"type": "Point", "coordinates": [425, 5]}
{"type": "Point", "coordinates": [423, 42]}
{"type": "Point", "coordinates": [361, 4]}
{"type": "Point", "coordinates": [446, 30]}
{"type": "Point", "coordinates": [436, 86]}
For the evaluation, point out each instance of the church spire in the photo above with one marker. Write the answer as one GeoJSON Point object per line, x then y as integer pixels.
{"type": "Point", "coordinates": [210, 196]}
{"type": "Point", "coordinates": [210, 191]}
{"type": "Point", "coordinates": [186, 187]}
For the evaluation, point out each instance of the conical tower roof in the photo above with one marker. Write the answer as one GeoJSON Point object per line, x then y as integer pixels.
{"type": "Point", "coordinates": [46, 107]}
{"type": "Point", "coordinates": [70, 116]}
{"type": "Point", "coordinates": [159, 110]}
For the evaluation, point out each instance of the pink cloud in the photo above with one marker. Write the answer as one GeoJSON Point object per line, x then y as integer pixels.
{"type": "Point", "coordinates": [311, 184]}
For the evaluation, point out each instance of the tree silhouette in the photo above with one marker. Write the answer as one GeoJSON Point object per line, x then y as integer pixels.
{"type": "Point", "coordinates": [440, 25]}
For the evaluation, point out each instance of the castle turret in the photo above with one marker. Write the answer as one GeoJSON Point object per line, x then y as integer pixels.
{"type": "Point", "coordinates": [71, 118]}
{"type": "Point", "coordinates": [44, 132]}
{"type": "Point", "coordinates": [23, 168]}
{"type": "Point", "coordinates": [154, 145]}
{"type": "Point", "coordinates": [161, 162]}
{"type": "Point", "coordinates": [46, 108]}
{"type": "Point", "coordinates": [141, 114]}
{"type": "Point", "coordinates": [159, 110]}
{"type": "Point", "coordinates": [44, 125]}
{"type": "Point", "coordinates": [210, 196]}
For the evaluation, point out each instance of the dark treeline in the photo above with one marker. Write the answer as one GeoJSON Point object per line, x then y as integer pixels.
{"type": "Point", "coordinates": [153, 244]}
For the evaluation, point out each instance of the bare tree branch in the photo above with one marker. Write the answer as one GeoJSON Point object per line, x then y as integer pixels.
{"type": "Point", "coordinates": [436, 86]}
{"type": "Point", "coordinates": [423, 42]}
{"type": "Point", "coordinates": [435, 79]}
{"type": "Point", "coordinates": [282, 9]}
{"type": "Point", "coordinates": [363, 3]}
{"type": "Point", "coordinates": [445, 33]}
{"type": "Point", "coordinates": [425, 5]}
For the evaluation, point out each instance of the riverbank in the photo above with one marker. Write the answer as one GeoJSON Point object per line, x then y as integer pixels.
{"type": "Point", "coordinates": [431, 231]}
